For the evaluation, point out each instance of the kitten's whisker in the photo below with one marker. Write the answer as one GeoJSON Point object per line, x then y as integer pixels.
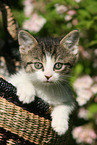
{"type": "Point", "coordinates": [63, 80]}
{"type": "Point", "coordinates": [57, 86]}
{"type": "Point", "coordinates": [66, 76]}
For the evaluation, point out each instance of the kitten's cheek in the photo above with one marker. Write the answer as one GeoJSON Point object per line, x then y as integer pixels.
{"type": "Point", "coordinates": [40, 76]}
{"type": "Point", "coordinates": [55, 77]}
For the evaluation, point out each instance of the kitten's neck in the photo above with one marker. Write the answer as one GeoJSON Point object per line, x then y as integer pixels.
{"type": "Point", "coordinates": [55, 94]}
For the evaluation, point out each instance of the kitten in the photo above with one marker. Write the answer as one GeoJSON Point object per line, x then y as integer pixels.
{"type": "Point", "coordinates": [46, 65]}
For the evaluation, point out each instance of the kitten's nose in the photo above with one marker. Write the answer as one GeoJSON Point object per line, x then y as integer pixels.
{"type": "Point", "coordinates": [48, 77]}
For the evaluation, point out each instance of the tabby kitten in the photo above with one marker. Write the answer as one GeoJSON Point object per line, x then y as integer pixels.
{"type": "Point", "coordinates": [46, 65]}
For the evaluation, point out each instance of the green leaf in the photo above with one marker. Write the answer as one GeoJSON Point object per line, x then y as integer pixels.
{"type": "Point", "coordinates": [93, 42]}
{"type": "Point", "coordinates": [78, 69]}
{"type": "Point", "coordinates": [83, 14]}
{"type": "Point", "coordinates": [92, 7]}
{"type": "Point", "coordinates": [89, 24]}
{"type": "Point", "coordinates": [93, 108]}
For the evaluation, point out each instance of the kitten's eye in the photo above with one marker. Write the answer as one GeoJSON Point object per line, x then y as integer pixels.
{"type": "Point", "coordinates": [38, 65]}
{"type": "Point", "coordinates": [58, 66]}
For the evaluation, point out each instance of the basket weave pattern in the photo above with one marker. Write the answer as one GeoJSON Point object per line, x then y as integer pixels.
{"type": "Point", "coordinates": [25, 124]}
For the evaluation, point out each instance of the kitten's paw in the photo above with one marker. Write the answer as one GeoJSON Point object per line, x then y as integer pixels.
{"type": "Point", "coordinates": [60, 117]}
{"type": "Point", "coordinates": [59, 126]}
{"type": "Point", "coordinates": [26, 93]}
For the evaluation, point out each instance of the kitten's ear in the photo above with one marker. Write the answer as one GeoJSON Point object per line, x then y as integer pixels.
{"type": "Point", "coordinates": [26, 41]}
{"type": "Point", "coordinates": [71, 40]}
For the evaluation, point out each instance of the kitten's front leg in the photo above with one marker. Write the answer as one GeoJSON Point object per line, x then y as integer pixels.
{"type": "Point", "coordinates": [60, 118]}
{"type": "Point", "coordinates": [25, 88]}
{"type": "Point", "coordinates": [26, 92]}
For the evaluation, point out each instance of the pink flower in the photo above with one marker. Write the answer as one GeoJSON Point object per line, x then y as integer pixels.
{"type": "Point", "coordinates": [35, 23]}
{"type": "Point", "coordinates": [74, 22]}
{"type": "Point", "coordinates": [83, 113]}
{"type": "Point", "coordinates": [83, 82]}
{"type": "Point", "coordinates": [27, 2]}
{"type": "Point", "coordinates": [94, 88]}
{"type": "Point", "coordinates": [83, 96]}
{"type": "Point", "coordinates": [95, 79]}
{"type": "Point", "coordinates": [28, 7]}
{"type": "Point", "coordinates": [84, 134]}
{"type": "Point", "coordinates": [83, 89]}
{"type": "Point", "coordinates": [71, 12]}
{"type": "Point", "coordinates": [68, 17]}
{"type": "Point", "coordinates": [60, 8]}
{"type": "Point", "coordinates": [77, 1]}
{"type": "Point", "coordinates": [28, 10]}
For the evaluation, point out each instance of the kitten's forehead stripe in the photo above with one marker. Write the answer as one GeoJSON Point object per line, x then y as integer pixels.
{"type": "Point", "coordinates": [49, 45]}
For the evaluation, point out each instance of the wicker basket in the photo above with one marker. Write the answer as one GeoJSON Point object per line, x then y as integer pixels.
{"type": "Point", "coordinates": [25, 124]}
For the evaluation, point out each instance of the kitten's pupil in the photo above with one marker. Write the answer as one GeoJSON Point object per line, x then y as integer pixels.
{"type": "Point", "coordinates": [38, 65]}
{"type": "Point", "coordinates": [58, 66]}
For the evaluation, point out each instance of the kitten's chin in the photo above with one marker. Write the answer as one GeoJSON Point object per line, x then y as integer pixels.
{"type": "Point", "coordinates": [48, 82]}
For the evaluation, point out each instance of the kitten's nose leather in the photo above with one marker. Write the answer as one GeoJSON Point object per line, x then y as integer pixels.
{"type": "Point", "coordinates": [48, 77]}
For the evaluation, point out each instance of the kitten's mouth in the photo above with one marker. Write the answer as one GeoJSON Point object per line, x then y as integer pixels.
{"type": "Point", "coordinates": [47, 82]}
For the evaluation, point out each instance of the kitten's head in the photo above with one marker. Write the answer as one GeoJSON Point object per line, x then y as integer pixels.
{"type": "Point", "coordinates": [48, 60]}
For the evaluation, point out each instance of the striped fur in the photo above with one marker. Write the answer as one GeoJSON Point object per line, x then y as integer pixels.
{"type": "Point", "coordinates": [36, 50]}
{"type": "Point", "coordinates": [46, 65]}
